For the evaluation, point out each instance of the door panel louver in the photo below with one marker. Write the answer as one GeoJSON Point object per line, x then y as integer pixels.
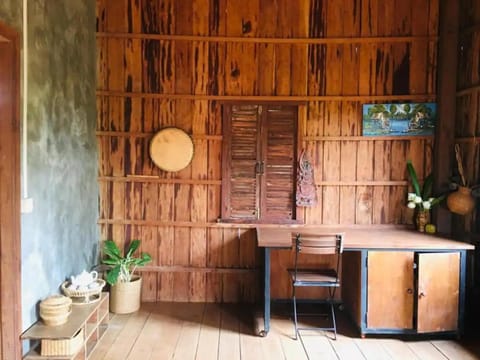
{"type": "Point", "coordinates": [280, 159]}
{"type": "Point", "coordinates": [244, 137]}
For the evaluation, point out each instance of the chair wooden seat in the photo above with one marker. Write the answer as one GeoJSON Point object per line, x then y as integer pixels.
{"type": "Point", "coordinates": [326, 277]}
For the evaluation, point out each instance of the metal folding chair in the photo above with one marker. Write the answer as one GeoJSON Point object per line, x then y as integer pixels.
{"type": "Point", "coordinates": [317, 244]}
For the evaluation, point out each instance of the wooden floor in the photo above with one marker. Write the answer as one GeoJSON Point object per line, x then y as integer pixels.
{"type": "Point", "coordinates": [215, 331]}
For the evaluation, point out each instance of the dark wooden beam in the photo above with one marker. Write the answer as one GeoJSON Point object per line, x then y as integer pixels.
{"type": "Point", "coordinates": [447, 83]}
{"type": "Point", "coordinates": [10, 292]}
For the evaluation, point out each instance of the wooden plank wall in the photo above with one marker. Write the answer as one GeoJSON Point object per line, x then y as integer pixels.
{"type": "Point", "coordinates": [172, 62]}
{"type": "Point", "coordinates": [467, 127]}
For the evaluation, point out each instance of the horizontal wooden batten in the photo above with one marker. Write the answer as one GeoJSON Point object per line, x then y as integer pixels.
{"type": "Point", "coordinates": [304, 138]}
{"type": "Point", "coordinates": [192, 269]}
{"type": "Point", "coordinates": [362, 183]}
{"type": "Point", "coordinates": [469, 90]}
{"type": "Point", "coordinates": [468, 139]}
{"type": "Point", "coordinates": [157, 180]}
{"type": "Point", "coordinates": [366, 138]}
{"type": "Point", "coordinates": [269, 40]}
{"type": "Point", "coordinates": [261, 98]}
{"type": "Point", "coordinates": [176, 224]}
{"type": "Point", "coordinates": [469, 30]}
{"type": "Point", "coordinates": [149, 134]}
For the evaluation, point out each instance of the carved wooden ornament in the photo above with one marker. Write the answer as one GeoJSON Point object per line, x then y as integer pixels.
{"type": "Point", "coordinates": [306, 191]}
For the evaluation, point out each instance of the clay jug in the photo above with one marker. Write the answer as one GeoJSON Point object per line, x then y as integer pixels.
{"type": "Point", "coordinates": [461, 201]}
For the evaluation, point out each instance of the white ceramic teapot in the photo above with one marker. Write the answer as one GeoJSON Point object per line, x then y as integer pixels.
{"type": "Point", "coordinates": [83, 279]}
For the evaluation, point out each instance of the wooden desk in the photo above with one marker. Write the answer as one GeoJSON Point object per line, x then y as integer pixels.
{"type": "Point", "coordinates": [404, 244]}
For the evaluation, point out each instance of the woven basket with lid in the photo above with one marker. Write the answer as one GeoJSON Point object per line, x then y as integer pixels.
{"type": "Point", "coordinates": [55, 309]}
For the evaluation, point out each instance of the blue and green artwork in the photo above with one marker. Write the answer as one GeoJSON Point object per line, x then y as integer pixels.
{"type": "Point", "coordinates": [405, 119]}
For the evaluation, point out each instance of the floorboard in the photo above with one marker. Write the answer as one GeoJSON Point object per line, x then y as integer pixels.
{"type": "Point", "coordinates": [115, 326]}
{"type": "Point", "coordinates": [425, 350]}
{"type": "Point", "coordinates": [198, 331]}
{"type": "Point", "coordinates": [453, 350]}
{"type": "Point", "coordinates": [229, 342]}
{"type": "Point", "coordinates": [373, 349]}
{"type": "Point", "coordinates": [127, 337]}
{"type": "Point", "coordinates": [209, 332]}
{"type": "Point", "coordinates": [398, 350]}
{"type": "Point", "coordinates": [283, 329]}
{"type": "Point", "coordinates": [346, 348]}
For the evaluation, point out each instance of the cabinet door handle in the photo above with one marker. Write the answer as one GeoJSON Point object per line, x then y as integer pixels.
{"type": "Point", "coordinates": [422, 294]}
{"type": "Point", "coordinates": [410, 291]}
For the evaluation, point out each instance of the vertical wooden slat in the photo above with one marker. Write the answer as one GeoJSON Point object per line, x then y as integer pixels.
{"type": "Point", "coordinates": [369, 18]}
{"type": "Point", "coordinates": [117, 16]}
{"type": "Point", "coordinates": [367, 78]}
{"type": "Point", "coordinates": [214, 284]}
{"type": "Point", "coordinates": [266, 69]}
{"type": "Point", "coordinates": [299, 54]}
{"type": "Point", "coordinates": [348, 173]}
{"type": "Point", "coordinates": [331, 171]}
{"type": "Point", "coordinates": [282, 66]}
{"type": "Point", "coordinates": [381, 194]}
{"type": "Point", "coordinates": [364, 194]}
{"type": "Point", "coordinates": [351, 17]}
{"type": "Point", "coordinates": [166, 248]}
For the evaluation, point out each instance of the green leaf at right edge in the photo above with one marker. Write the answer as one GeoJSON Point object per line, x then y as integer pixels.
{"type": "Point", "coordinates": [413, 177]}
{"type": "Point", "coordinates": [427, 187]}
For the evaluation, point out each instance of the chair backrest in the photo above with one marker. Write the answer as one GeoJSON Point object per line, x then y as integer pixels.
{"type": "Point", "coordinates": [321, 244]}
{"type": "Point", "coordinates": [318, 244]}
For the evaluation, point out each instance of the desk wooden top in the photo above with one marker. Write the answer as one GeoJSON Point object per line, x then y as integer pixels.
{"type": "Point", "coordinates": [365, 238]}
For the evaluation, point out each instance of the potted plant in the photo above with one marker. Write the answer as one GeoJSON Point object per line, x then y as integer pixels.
{"type": "Point", "coordinates": [125, 290]}
{"type": "Point", "coordinates": [421, 199]}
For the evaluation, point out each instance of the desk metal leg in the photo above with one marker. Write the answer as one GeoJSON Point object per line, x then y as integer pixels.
{"type": "Point", "coordinates": [266, 293]}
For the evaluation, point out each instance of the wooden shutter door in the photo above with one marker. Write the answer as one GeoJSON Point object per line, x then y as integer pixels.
{"type": "Point", "coordinates": [240, 162]}
{"type": "Point", "coordinates": [278, 162]}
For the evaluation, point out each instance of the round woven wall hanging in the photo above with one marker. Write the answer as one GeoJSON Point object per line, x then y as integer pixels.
{"type": "Point", "coordinates": [171, 149]}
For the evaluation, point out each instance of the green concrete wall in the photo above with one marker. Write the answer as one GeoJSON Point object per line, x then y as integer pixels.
{"type": "Point", "coordinates": [60, 236]}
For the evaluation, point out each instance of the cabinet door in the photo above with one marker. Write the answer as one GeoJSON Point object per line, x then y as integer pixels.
{"type": "Point", "coordinates": [390, 289]}
{"type": "Point", "coordinates": [438, 290]}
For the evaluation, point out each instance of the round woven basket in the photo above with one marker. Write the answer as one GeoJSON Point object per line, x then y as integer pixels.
{"type": "Point", "coordinates": [84, 296]}
{"type": "Point", "coordinates": [171, 149]}
{"type": "Point", "coordinates": [55, 309]}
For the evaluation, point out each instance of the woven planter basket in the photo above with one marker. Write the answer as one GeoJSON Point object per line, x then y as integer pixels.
{"type": "Point", "coordinates": [125, 296]}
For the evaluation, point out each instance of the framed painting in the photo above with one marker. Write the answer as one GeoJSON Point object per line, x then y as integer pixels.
{"type": "Point", "coordinates": [403, 119]}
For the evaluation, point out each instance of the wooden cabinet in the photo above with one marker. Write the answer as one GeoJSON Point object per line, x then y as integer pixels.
{"type": "Point", "coordinates": [404, 291]}
{"type": "Point", "coordinates": [75, 339]}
